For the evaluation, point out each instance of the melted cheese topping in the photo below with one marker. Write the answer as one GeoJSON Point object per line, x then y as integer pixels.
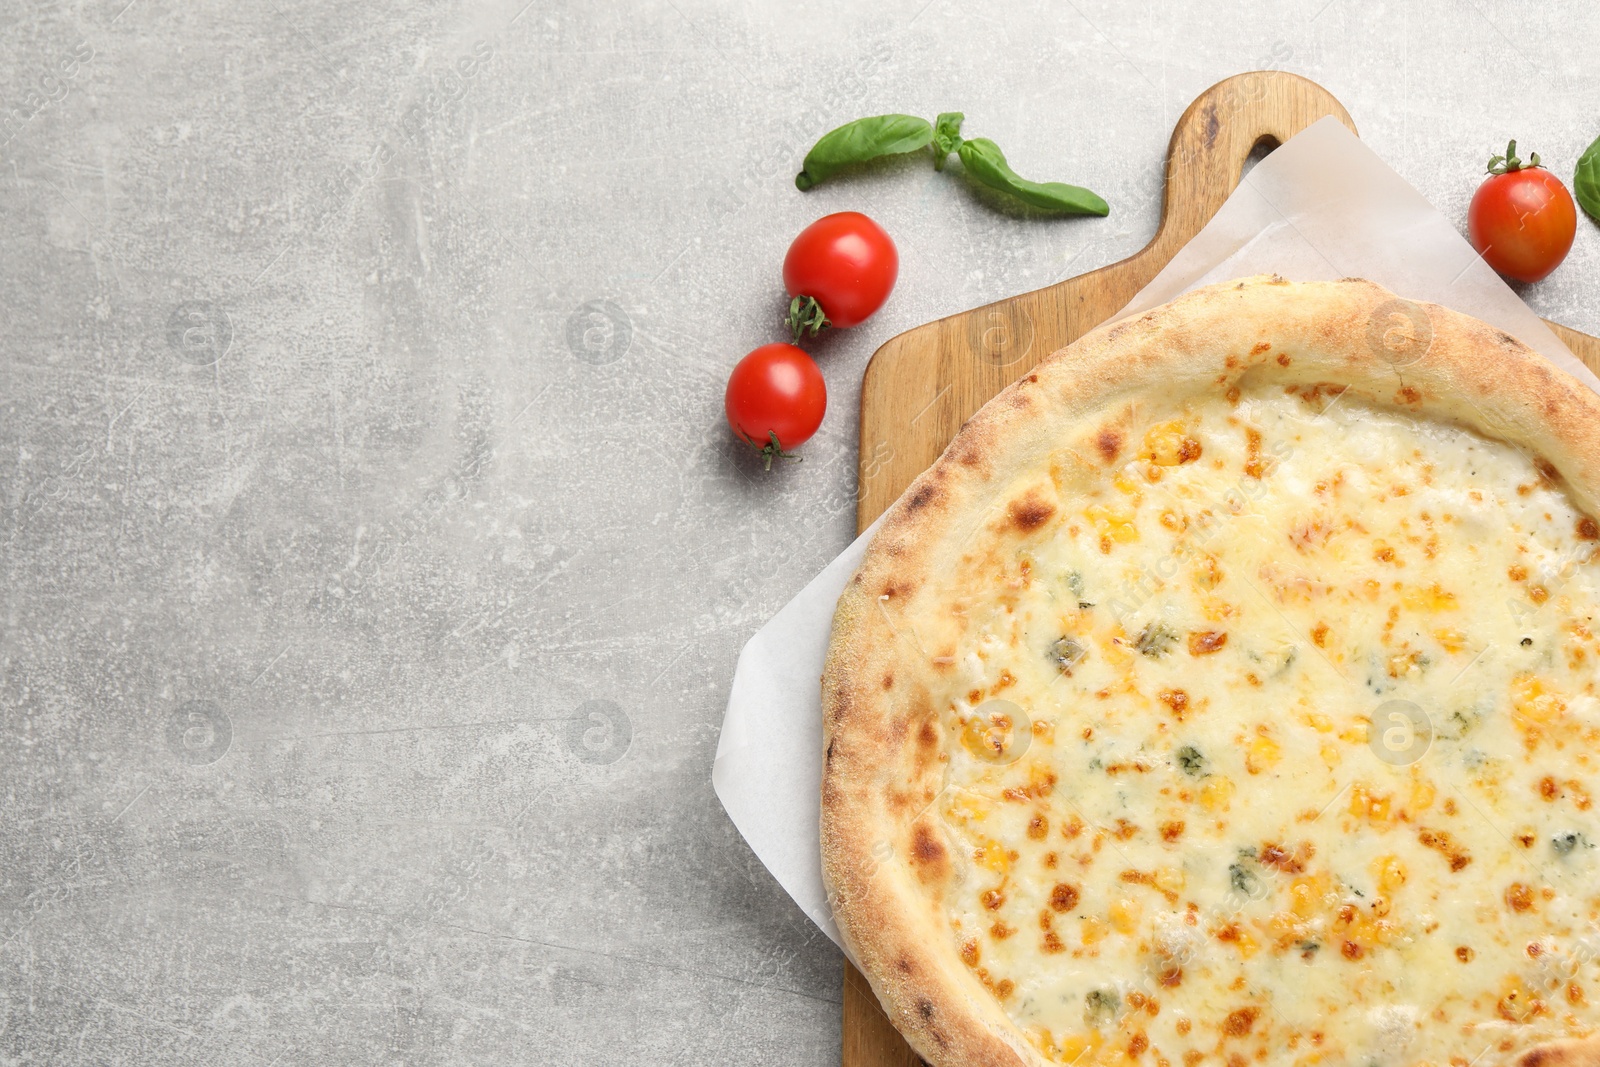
{"type": "Point", "coordinates": [1278, 740]}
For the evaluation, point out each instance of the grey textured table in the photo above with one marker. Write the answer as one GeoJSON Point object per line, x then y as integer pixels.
{"type": "Point", "coordinates": [376, 557]}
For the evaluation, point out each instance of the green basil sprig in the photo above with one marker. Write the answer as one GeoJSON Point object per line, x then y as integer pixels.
{"type": "Point", "coordinates": [1586, 181]}
{"type": "Point", "coordinates": [985, 162]}
{"type": "Point", "coordinates": [946, 136]}
{"type": "Point", "coordinates": [882, 135]}
{"type": "Point", "coordinates": [859, 141]}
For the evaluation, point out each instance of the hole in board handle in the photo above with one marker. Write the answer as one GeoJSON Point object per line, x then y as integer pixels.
{"type": "Point", "coordinates": [1263, 148]}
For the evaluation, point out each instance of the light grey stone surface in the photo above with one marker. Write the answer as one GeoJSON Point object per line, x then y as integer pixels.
{"type": "Point", "coordinates": [376, 557]}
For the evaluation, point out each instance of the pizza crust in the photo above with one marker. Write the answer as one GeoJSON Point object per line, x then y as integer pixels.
{"type": "Point", "coordinates": [884, 863]}
{"type": "Point", "coordinates": [1584, 1053]}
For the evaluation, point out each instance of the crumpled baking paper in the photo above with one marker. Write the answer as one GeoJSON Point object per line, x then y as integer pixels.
{"type": "Point", "coordinates": [1321, 207]}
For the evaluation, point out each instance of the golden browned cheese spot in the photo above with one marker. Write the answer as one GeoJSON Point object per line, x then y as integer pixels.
{"type": "Point", "coordinates": [1280, 858]}
{"type": "Point", "coordinates": [1000, 931]}
{"type": "Point", "coordinates": [1109, 442]}
{"type": "Point", "coordinates": [1239, 1021]}
{"type": "Point", "coordinates": [1038, 827]}
{"type": "Point", "coordinates": [1171, 831]}
{"type": "Point", "coordinates": [1260, 347]}
{"type": "Point", "coordinates": [1465, 954]}
{"type": "Point", "coordinates": [1064, 897]}
{"type": "Point", "coordinates": [1441, 842]}
{"type": "Point", "coordinates": [1517, 1006]}
{"type": "Point", "coordinates": [1171, 977]}
{"type": "Point", "coordinates": [1519, 897]}
{"type": "Point", "coordinates": [993, 898]}
{"type": "Point", "coordinates": [1548, 788]}
{"type": "Point", "coordinates": [1319, 634]}
{"type": "Point", "coordinates": [970, 952]}
{"type": "Point", "coordinates": [1205, 642]}
{"type": "Point", "coordinates": [1588, 530]}
{"type": "Point", "coordinates": [1137, 1044]}
{"type": "Point", "coordinates": [1352, 951]}
{"type": "Point", "coordinates": [1146, 878]}
{"type": "Point", "coordinates": [1408, 395]}
{"type": "Point", "coordinates": [1517, 573]}
{"type": "Point", "coordinates": [1001, 989]}
{"type": "Point", "coordinates": [1030, 512]}
{"type": "Point", "coordinates": [1177, 700]}
{"type": "Point", "coordinates": [1253, 466]}
{"type": "Point", "coordinates": [1538, 594]}
{"type": "Point", "coordinates": [1283, 359]}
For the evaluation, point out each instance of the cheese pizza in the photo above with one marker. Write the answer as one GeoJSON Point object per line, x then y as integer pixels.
{"type": "Point", "coordinates": [1226, 694]}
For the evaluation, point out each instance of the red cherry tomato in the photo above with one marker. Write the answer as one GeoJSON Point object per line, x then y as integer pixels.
{"type": "Point", "coordinates": [846, 263]}
{"type": "Point", "coordinates": [1522, 221]}
{"type": "Point", "coordinates": [775, 399]}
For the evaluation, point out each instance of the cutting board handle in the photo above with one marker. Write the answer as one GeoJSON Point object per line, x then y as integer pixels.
{"type": "Point", "coordinates": [1215, 136]}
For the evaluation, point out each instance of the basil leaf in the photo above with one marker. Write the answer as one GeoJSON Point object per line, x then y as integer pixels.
{"type": "Point", "coordinates": [985, 162]}
{"type": "Point", "coordinates": [1586, 181]}
{"type": "Point", "coordinates": [946, 136]}
{"type": "Point", "coordinates": [859, 141]}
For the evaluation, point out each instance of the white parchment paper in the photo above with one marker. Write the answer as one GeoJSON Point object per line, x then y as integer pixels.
{"type": "Point", "coordinates": [1321, 207]}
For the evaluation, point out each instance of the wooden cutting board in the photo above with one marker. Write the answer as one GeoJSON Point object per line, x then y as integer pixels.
{"type": "Point", "coordinates": [922, 385]}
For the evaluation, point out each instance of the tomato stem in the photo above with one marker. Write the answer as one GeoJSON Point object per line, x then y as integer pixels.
{"type": "Point", "coordinates": [806, 314]}
{"type": "Point", "coordinates": [1509, 163]}
{"type": "Point", "coordinates": [773, 449]}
